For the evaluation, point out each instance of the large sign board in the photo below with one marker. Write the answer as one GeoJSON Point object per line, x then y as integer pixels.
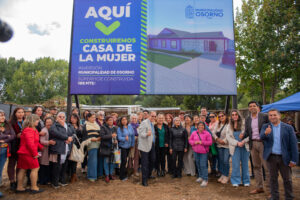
{"type": "Point", "coordinates": [153, 47]}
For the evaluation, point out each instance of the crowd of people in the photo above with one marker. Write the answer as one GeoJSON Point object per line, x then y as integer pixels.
{"type": "Point", "coordinates": [148, 145]}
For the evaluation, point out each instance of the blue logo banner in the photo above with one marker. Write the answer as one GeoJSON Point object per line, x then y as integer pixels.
{"type": "Point", "coordinates": [170, 47]}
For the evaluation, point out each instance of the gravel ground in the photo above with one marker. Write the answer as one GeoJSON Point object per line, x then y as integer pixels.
{"type": "Point", "coordinates": [164, 188]}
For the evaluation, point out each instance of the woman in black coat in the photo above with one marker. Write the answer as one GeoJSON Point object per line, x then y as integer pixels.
{"type": "Point", "coordinates": [108, 135]}
{"type": "Point", "coordinates": [161, 144]}
{"type": "Point", "coordinates": [75, 122]}
{"type": "Point", "coordinates": [61, 133]}
{"type": "Point", "coordinates": [178, 146]}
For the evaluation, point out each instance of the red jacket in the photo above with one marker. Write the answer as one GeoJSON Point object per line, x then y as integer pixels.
{"type": "Point", "coordinates": [30, 142]}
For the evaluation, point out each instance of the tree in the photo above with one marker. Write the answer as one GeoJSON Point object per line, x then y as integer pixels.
{"type": "Point", "coordinates": [7, 67]}
{"type": "Point", "coordinates": [168, 101]}
{"type": "Point", "coordinates": [36, 82]}
{"type": "Point", "coordinates": [267, 48]}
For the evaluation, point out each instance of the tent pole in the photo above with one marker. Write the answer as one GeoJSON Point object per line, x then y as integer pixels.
{"type": "Point", "coordinates": [227, 104]}
{"type": "Point", "coordinates": [77, 103]}
{"type": "Point", "coordinates": [234, 102]}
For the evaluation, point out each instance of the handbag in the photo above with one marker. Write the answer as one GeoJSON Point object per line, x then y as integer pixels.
{"type": "Point", "coordinates": [219, 132]}
{"type": "Point", "coordinates": [76, 154]}
{"type": "Point", "coordinates": [105, 151]}
{"type": "Point", "coordinates": [117, 155]}
{"type": "Point", "coordinates": [201, 141]}
{"type": "Point", "coordinates": [213, 149]}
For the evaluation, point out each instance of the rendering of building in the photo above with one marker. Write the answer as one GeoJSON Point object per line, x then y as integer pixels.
{"type": "Point", "coordinates": [182, 41]}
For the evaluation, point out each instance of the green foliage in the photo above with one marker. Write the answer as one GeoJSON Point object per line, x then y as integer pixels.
{"type": "Point", "coordinates": [267, 48]}
{"type": "Point", "coordinates": [38, 81]}
{"type": "Point", "coordinates": [210, 102]}
{"type": "Point", "coordinates": [7, 68]}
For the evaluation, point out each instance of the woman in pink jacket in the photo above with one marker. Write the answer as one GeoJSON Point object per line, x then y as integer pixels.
{"type": "Point", "coordinates": [200, 141]}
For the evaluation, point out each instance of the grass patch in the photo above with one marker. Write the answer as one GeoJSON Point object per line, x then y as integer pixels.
{"type": "Point", "coordinates": [191, 54]}
{"type": "Point", "coordinates": [165, 60]}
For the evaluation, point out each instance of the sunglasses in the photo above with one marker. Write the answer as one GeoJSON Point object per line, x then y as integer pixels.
{"type": "Point", "coordinates": [221, 115]}
{"type": "Point", "coordinates": [211, 116]}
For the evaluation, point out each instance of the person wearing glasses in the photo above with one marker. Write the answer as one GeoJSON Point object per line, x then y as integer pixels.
{"type": "Point", "coordinates": [213, 159]}
{"type": "Point", "coordinates": [178, 146]}
{"type": "Point", "coordinates": [100, 118]}
{"type": "Point", "coordinates": [239, 150]}
{"type": "Point", "coordinates": [61, 133]}
{"type": "Point", "coordinates": [188, 158]}
{"type": "Point", "coordinates": [219, 134]}
{"type": "Point", "coordinates": [146, 146]}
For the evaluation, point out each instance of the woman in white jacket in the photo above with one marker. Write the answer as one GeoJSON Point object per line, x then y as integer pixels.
{"type": "Point", "coordinates": [239, 150]}
{"type": "Point", "coordinates": [219, 134]}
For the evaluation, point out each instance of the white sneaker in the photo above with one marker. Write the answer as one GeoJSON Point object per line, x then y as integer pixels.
{"type": "Point", "coordinates": [235, 185]}
{"type": "Point", "coordinates": [225, 180]}
{"type": "Point", "coordinates": [221, 178]}
{"type": "Point", "coordinates": [247, 185]}
{"type": "Point", "coordinates": [199, 180]}
{"type": "Point", "coordinates": [203, 184]}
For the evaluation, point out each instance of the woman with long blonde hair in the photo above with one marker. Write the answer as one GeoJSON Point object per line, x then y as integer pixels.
{"type": "Point", "coordinates": [28, 154]}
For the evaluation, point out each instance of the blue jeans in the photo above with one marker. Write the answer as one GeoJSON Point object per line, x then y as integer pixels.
{"type": "Point", "coordinates": [3, 157]}
{"type": "Point", "coordinates": [105, 162]}
{"type": "Point", "coordinates": [202, 166]}
{"type": "Point", "coordinates": [223, 155]}
{"type": "Point", "coordinates": [108, 166]}
{"type": "Point", "coordinates": [240, 157]}
{"type": "Point", "coordinates": [93, 164]}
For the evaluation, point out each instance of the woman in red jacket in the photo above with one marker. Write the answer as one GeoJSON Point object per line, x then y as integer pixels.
{"type": "Point", "coordinates": [28, 154]}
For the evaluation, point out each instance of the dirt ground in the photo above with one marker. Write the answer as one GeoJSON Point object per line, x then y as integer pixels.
{"type": "Point", "coordinates": [164, 188]}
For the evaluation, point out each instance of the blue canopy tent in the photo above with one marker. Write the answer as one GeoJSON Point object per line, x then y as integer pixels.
{"type": "Point", "coordinates": [291, 103]}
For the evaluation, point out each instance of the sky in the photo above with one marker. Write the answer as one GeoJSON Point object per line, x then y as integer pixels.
{"type": "Point", "coordinates": [42, 28]}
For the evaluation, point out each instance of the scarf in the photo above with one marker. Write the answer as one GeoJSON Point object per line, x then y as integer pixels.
{"type": "Point", "coordinates": [93, 127]}
{"type": "Point", "coordinates": [135, 126]}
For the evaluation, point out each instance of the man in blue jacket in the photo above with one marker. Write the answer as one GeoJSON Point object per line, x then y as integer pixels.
{"type": "Point", "coordinates": [280, 152]}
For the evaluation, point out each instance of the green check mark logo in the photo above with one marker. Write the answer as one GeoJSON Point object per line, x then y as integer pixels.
{"type": "Point", "coordinates": [107, 30]}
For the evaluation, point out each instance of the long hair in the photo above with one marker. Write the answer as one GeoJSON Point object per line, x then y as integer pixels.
{"type": "Point", "coordinates": [30, 120]}
{"type": "Point", "coordinates": [239, 121]}
{"type": "Point", "coordinates": [120, 122]}
{"type": "Point", "coordinates": [226, 121]}
{"type": "Point", "coordinates": [171, 123]}
{"type": "Point", "coordinates": [6, 125]}
{"type": "Point", "coordinates": [78, 119]}
{"type": "Point", "coordinates": [13, 119]}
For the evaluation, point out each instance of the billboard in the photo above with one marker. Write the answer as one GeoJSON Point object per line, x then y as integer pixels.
{"type": "Point", "coordinates": [153, 47]}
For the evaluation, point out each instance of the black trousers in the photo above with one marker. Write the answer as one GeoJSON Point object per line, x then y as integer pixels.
{"type": "Point", "coordinates": [124, 157]}
{"type": "Point", "coordinates": [55, 171]}
{"type": "Point", "coordinates": [161, 158]}
{"type": "Point", "coordinates": [44, 174]}
{"type": "Point", "coordinates": [148, 163]}
{"type": "Point", "coordinates": [63, 172]}
{"type": "Point", "coordinates": [275, 164]}
{"type": "Point", "coordinates": [177, 168]}
{"type": "Point", "coordinates": [170, 162]}
{"type": "Point", "coordinates": [58, 171]}
{"type": "Point", "coordinates": [71, 168]}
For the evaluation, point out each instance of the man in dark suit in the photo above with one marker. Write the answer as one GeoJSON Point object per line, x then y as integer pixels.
{"type": "Point", "coordinates": [280, 152]}
{"type": "Point", "coordinates": [253, 126]}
